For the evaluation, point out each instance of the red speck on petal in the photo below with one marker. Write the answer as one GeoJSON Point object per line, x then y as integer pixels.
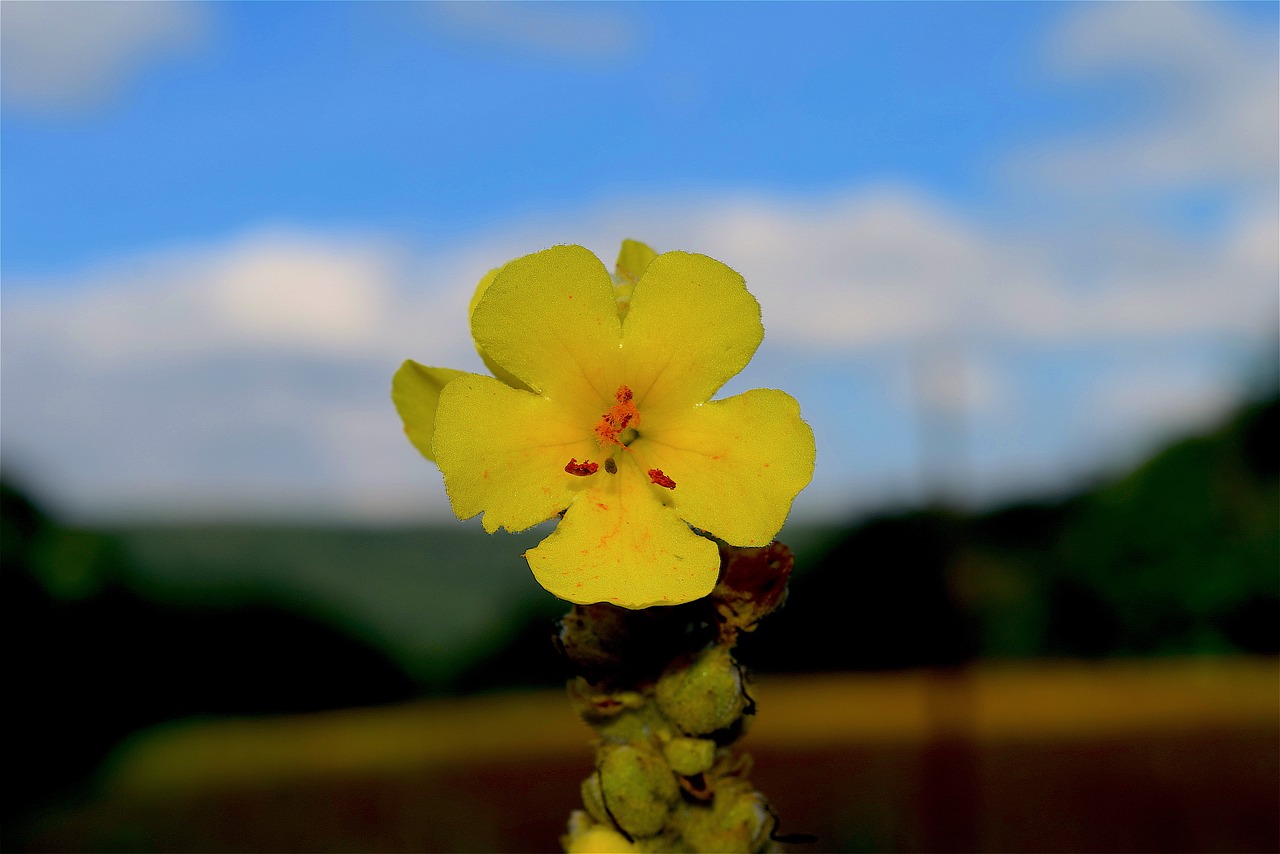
{"type": "Point", "coordinates": [661, 479]}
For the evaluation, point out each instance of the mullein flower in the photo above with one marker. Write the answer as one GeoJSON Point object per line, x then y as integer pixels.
{"type": "Point", "coordinates": [600, 409]}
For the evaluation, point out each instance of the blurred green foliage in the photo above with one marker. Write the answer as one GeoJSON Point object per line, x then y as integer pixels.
{"type": "Point", "coordinates": [1183, 554]}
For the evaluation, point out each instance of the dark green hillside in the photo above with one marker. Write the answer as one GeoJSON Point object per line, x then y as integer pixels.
{"type": "Point", "coordinates": [432, 598]}
{"type": "Point", "coordinates": [92, 656]}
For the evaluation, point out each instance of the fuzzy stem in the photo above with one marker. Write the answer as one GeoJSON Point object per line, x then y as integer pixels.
{"type": "Point", "coordinates": [667, 700]}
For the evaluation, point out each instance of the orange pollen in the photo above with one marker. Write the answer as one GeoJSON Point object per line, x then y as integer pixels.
{"type": "Point", "coordinates": [661, 479]}
{"type": "Point", "coordinates": [620, 416]}
{"type": "Point", "coordinates": [581, 469]}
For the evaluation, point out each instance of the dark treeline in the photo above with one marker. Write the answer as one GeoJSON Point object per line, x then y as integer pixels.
{"type": "Point", "coordinates": [1180, 556]}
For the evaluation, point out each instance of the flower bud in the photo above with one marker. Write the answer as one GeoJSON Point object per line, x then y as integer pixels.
{"type": "Point", "coordinates": [753, 582]}
{"type": "Point", "coordinates": [705, 696]}
{"type": "Point", "coordinates": [637, 788]}
{"type": "Point", "coordinates": [738, 820]}
{"type": "Point", "coordinates": [689, 756]}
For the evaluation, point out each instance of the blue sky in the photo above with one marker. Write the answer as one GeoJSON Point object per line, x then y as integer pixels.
{"type": "Point", "coordinates": [1049, 225]}
{"type": "Point", "coordinates": [355, 114]}
{"type": "Point", "coordinates": [343, 114]}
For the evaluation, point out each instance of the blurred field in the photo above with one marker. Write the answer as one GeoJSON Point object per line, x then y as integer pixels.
{"type": "Point", "coordinates": [1175, 755]}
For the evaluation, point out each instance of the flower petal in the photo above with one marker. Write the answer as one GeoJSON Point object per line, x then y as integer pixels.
{"type": "Point", "coordinates": [619, 543]}
{"type": "Point", "coordinates": [738, 463]}
{"type": "Point", "coordinates": [494, 368]}
{"type": "Point", "coordinates": [503, 451]}
{"type": "Point", "coordinates": [633, 260]}
{"type": "Point", "coordinates": [691, 326]}
{"type": "Point", "coordinates": [415, 390]}
{"type": "Point", "coordinates": [550, 318]}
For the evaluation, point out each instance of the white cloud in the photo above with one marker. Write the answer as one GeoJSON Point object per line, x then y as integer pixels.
{"type": "Point", "coordinates": [317, 295]}
{"type": "Point", "coordinates": [1218, 87]}
{"type": "Point", "coordinates": [64, 55]}
{"type": "Point", "coordinates": [253, 375]}
{"type": "Point", "coordinates": [886, 266]}
{"type": "Point", "coordinates": [308, 295]}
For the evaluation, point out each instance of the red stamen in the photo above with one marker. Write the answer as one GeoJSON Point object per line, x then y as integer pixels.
{"type": "Point", "coordinates": [661, 479]}
{"type": "Point", "coordinates": [581, 469]}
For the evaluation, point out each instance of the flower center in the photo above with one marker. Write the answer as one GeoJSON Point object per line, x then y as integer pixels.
{"type": "Point", "coordinates": [617, 425]}
{"type": "Point", "coordinates": [617, 428]}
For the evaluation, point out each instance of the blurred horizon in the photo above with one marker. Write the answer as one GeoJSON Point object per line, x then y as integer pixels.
{"type": "Point", "coordinates": [1002, 250]}
{"type": "Point", "coordinates": [1176, 555]}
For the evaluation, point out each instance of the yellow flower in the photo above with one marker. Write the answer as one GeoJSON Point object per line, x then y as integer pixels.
{"type": "Point", "coordinates": [600, 408]}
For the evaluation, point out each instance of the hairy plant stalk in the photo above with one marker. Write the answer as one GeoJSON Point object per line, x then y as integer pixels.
{"type": "Point", "coordinates": [667, 700]}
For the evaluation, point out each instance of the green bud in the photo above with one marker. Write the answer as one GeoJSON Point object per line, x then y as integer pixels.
{"type": "Point", "coordinates": [638, 789]}
{"type": "Point", "coordinates": [689, 756]}
{"type": "Point", "coordinates": [705, 696]}
{"type": "Point", "coordinates": [635, 725]}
